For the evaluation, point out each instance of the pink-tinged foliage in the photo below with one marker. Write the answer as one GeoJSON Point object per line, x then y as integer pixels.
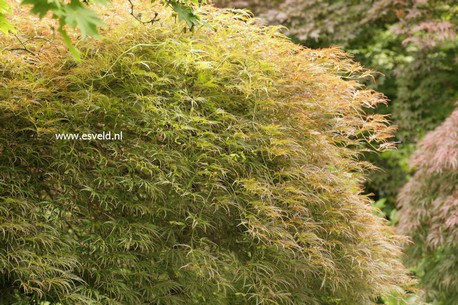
{"type": "Point", "coordinates": [429, 212]}
{"type": "Point", "coordinates": [438, 152]}
{"type": "Point", "coordinates": [330, 22]}
{"type": "Point", "coordinates": [426, 23]}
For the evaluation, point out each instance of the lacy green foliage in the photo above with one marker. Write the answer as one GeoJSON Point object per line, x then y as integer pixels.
{"type": "Point", "coordinates": [429, 212]}
{"type": "Point", "coordinates": [413, 43]}
{"type": "Point", "coordinates": [237, 180]}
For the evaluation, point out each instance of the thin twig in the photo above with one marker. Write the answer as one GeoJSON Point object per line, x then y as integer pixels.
{"type": "Point", "coordinates": [24, 48]}
{"type": "Point", "coordinates": [45, 39]}
{"type": "Point", "coordinates": [153, 20]}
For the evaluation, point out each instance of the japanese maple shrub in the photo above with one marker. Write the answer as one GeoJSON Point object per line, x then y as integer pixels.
{"type": "Point", "coordinates": [429, 212]}
{"type": "Point", "coordinates": [237, 179]}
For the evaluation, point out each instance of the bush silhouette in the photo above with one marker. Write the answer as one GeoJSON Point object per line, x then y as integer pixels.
{"type": "Point", "coordinates": [237, 179]}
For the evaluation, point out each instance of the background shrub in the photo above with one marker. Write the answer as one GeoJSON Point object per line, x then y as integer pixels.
{"type": "Point", "coordinates": [237, 180]}
{"type": "Point", "coordinates": [429, 212]}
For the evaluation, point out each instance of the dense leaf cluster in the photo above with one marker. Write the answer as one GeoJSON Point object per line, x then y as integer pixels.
{"type": "Point", "coordinates": [427, 81]}
{"type": "Point", "coordinates": [316, 22]}
{"type": "Point", "coordinates": [429, 212]}
{"type": "Point", "coordinates": [413, 43]}
{"type": "Point", "coordinates": [237, 180]}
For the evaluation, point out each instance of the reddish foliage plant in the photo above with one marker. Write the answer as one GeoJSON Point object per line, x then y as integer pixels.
{"type": "Point", "coordinates": [429, 212]}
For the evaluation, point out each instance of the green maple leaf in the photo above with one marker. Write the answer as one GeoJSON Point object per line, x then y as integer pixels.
{"type": "Point", "coordinates": [74, 14]}
{"type": "Point", "coordinates": [186, 13]}
{"type": "Point", "coordinates": [86, 19]}
{"type": "Point", "coordinates": [41, 8]}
